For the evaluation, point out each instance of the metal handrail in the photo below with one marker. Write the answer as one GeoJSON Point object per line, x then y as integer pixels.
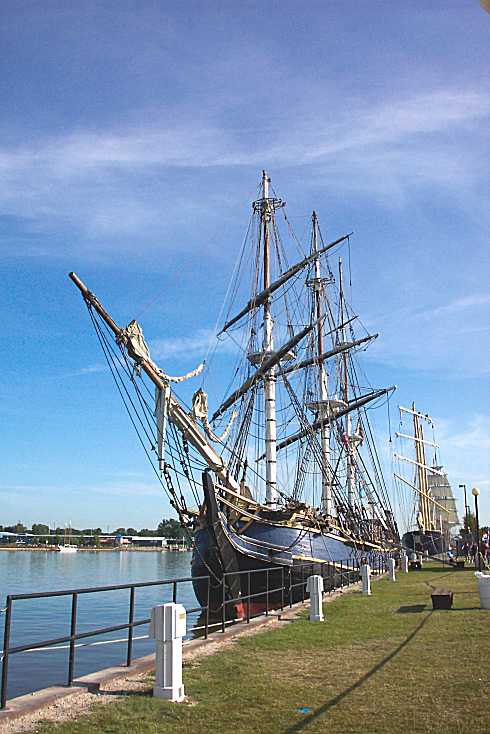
{"type": "Point", "coordinates": [74, 635]}
{"type": "Point", "coordinates": [337, 573]}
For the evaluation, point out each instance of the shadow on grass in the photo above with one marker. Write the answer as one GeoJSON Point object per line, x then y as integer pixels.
{"type": "Point", "coordinates": [412, 609]}
{"type": "Point", "coordinates": [438, 569]}
{"type": "Point", "coordinates": [340, 697]}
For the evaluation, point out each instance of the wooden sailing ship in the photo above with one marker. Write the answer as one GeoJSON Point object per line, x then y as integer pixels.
{"type": "Point", "coordinates": [285, 472]}
{"type": "Point", "coordinates": [431, 504]}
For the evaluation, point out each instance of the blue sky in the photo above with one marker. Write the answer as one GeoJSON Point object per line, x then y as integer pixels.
{"type": "Point", "coordinates": [132, 140]}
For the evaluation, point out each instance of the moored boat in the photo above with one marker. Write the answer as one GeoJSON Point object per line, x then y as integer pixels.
{"type": "Point", "coordinates": [285, 472]}
{"type": "Point", "coordinates": [430, 511]}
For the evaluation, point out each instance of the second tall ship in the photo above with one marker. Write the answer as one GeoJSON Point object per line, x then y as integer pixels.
{"type": "Point", "coordinates": [285, 471]}
{"type": "Point", "coordinates": [430, 511]}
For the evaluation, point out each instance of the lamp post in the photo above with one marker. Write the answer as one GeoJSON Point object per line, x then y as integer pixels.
{"type": "Point", "coordinates": [475, 492]}
{"type": "Point", "coordinates": [466, 508]}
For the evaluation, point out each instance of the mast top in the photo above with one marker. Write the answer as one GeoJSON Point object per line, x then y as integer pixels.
{"type": "Point", "coordinates": [265, 184]}
{"type": "Point", "coordinates": [266, 205]}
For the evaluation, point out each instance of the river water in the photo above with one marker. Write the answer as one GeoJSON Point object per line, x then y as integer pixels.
{"type": "Point", "coordinates": [42, 619]}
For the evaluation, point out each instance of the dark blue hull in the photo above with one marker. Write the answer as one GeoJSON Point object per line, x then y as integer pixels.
{"type": "Point", "coordinates": [292, 552]}
{"type": "Point", "coordinates": [432, 541]}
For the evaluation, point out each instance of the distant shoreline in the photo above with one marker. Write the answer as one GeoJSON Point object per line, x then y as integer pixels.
{"type": "Point", "coordinates": [124, 549]}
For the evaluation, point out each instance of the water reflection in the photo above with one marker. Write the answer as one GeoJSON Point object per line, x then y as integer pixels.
{"type": "Point", "coordinates": [38, 619]}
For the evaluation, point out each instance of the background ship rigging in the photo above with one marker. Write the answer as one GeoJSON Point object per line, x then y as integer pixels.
{"type": "Point", "coordinates": [426, 499]}
{"type": "Point", "coordinates": [286, 470]}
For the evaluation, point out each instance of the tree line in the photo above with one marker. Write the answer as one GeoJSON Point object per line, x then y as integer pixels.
{"type": "Point", "coordinates": [167, 528]}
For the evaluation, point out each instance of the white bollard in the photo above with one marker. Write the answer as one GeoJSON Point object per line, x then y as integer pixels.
{"type": "Point", "coordinates": [168, 627]}
{"type": "Point", "coordinates": [314, 586]}
{"type": "Point", "coordinates": [366, 579]}
{"type": "Point", "coordinates": [404, 562]}
{"type": "Point", "coordinates": [391, 569]}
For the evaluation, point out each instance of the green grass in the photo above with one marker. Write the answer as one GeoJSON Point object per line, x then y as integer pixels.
{"type": "Point", "coordinates": [377, 665]}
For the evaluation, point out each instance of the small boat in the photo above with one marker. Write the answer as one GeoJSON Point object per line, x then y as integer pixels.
{"type": "Point", "coordinates": [67, 549]}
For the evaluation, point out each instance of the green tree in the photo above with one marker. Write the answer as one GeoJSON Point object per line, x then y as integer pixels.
{"type": "Point", "coordinates": [469, 526]}
{"type": "Point", "coordinates": [20, 528]}
{"type": "Point", "coordinates": [39, 528]}
{"type": "Point", "coordinates": [170, 529]}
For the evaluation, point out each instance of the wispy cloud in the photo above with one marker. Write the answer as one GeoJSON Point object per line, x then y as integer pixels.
{"type": "Point", "coordinates": [462, 304]}
{"type": "Point", "coordinates": [123, 488]}
{"type": "Point", "coordinates": [98, 180]}
{"type": "Point", "coordinates": [198, 345]}
{"type": "Point", "coordinates": [92, 369]}
{"type": "Point", "coordinates": [436, 338]}
{"type": "Point", "coordinates": [465, 451]}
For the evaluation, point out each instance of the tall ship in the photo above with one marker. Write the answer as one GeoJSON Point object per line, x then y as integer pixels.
{"type": "Point", "coordinates": [285, 471]}
{"type": "Point", "coordinates": [430, 510]}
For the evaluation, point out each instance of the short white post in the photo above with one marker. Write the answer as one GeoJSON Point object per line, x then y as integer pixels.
{"type": "Point", "coordinates": [391, 569]}
{"type": "Point", "coordinates": [314, 586]}
{"type": "Point", "coordinates": [404, 562]}
{"type": "Point", "coordinates": [167, 628]}
{"type": "Point", "coordinates": [366, 579]}
{"type": "Point", "coordinates": [420, 558]}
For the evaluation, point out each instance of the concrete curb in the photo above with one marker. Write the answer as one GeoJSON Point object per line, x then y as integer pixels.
{"type": "Point", "coordinates": [32, 703]}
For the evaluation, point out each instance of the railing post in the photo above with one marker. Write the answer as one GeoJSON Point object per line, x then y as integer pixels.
{"type": "Point", "coordinates": [248, 597]}
{"type": "Point", "coordinates": [223, 619]}
{"type": "Point", "coordinates": [5, 662]}
{"type": "Point", "coordinates": [302, 583]}
{"type": "Point", "coordinates": [73, 631]}
{"type": "Point", "coordinates": [174, 592]}
{"type": "Point", "coordinates": [267, 592]}
{"type": "Point", "coordinates": [282, 588]}
{"type": "Point", "coordinates": [206, 628]}
{"type": "Point", "coordinates": [290, 587]}
{"type": "Point", "coordinates": [129, 655]}
{"type": "Point", "coordinates": [341, 575]}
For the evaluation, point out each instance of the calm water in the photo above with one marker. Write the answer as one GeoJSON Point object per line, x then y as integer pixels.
{"type": "Point", "coordinates": [41, 619]}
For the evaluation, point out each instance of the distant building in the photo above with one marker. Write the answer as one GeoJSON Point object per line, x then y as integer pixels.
{"type": "Point", "coordinates": [155, 542]}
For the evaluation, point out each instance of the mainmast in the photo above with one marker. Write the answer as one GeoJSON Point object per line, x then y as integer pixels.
{"type": "Point", "coordinates": [322, 379]}
{"type": "Point", "coordinates": [350, 465]}
{"type": "Point", "coordinates": [425, 513]}
{"type": "Point", "coordinates": [267, 208]}
{"type": "Point", "coordinates": [427, 502]}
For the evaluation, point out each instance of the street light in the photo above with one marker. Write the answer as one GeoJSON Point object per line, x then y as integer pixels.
{"type": "Point", "coordinates": [475, 492]}
{"type": "Point", "coordinates": [466, 508]}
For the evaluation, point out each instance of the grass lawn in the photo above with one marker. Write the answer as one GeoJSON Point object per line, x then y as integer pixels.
{"type": "Point", "coordinates": [378, 665]}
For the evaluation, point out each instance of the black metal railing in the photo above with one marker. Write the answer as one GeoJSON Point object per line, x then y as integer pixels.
{"type": "Point", "coordinates": [277, 587]}
{"type": "Point", "coordinates": [72, 638]}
